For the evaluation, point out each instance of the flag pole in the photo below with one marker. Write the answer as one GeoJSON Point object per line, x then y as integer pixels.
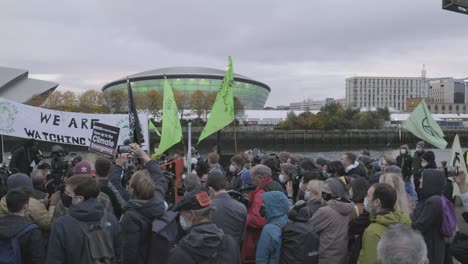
{"type": "Point", "coordinates": [189, 151]}
{"type": "Point", "coordinates": [235, 137]}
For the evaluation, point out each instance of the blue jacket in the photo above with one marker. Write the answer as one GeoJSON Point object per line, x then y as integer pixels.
{"type": "Point", "coordinates": [276, 213]}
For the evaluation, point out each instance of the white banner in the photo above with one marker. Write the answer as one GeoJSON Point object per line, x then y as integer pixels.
{"type": "Point", "coordinates": [19, 120]}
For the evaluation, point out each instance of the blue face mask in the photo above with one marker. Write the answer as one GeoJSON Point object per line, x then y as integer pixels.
{"type": "Point", "coordinates": [185, 226]}
{"type": "Point", "coordinates": [366, 205]}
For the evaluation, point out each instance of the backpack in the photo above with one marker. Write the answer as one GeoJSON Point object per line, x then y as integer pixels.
{"type": "Point", "coordinates": [164, 232]}
{"type": "Point", "coordinates": [10, 251]}
{"type": "Point", "coordinates": [299, 244]}
{"type": "Point", "coordinates": [449, 218]}
{"type": "Point", "coordinates": [98, 245]}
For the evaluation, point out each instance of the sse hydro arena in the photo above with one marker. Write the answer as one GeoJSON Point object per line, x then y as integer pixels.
{"type": "Point", "coordinates": [186, 80]}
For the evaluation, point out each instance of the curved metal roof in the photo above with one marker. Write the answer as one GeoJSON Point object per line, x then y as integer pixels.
{"type": "Point", "coordinates": [184, 72]}
{"type": "Point", "coordinates": [15, 85]}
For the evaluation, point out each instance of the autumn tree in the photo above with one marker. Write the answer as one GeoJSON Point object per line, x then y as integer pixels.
{"type": "Point", "coordinates": [92, 101]}
{"type": "Point", "coordinates": [116, 100]}
{"type": "Point", "coordinates": [154, 103]}
{"type": "Point", "coordinates": [238, 108]}
{"type": "Point", "coordinates": [197, 103]}
{"type": "Point", "coordinates": [66, 101]}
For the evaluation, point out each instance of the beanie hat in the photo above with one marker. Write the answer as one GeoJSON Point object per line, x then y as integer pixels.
{"type": "Point", "coordinates": [336, 186]}
{"type": "Point", "coordinates": [393, 169]}
{"type": "Point", "coordinates": [19, 180]}
{"type": "Point", "coordinates": [429, 156]}
{"type": "Point", "coordinates": [407, 147]}
{"type": "Point", "coordinates": [82, 167]}
{"type": "Point", "coordinates": [420, 143]}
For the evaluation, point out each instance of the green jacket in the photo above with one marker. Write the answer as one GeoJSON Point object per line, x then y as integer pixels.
{"type": "Point", "coordinates": [375, 231]}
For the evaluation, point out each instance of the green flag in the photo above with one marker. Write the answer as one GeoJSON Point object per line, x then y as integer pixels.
{"type": "Point", "coordinates": [222, 112]}
{"type": "Point", "coordinates": [422, 125]}
{"type": "Point", "coordinates": [171, 130]}
{"type": "Point", "coordinates": [151, 126]}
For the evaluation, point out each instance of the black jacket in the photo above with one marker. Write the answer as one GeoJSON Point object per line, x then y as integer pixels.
{"type": "Point", "coordinates": [427, 217]}
{"type": "Point", "coordinates": [306, 212]}
{"type": "Point", "coordinates": [67, 238]}
{"type": "Point", "coordinates": [31, 243]}
{"type": "Point", "coordinates": [405, 162]}
{"type": "Point", "coordinates": [136, 224]}
{"type": "Point", "coordinates": [355, 231]}
{"type": "Point", "coordinates": [206, 243]}
{"type": "Point", "coordinates": [359, 170]}
{"type": "Point", "coordinates": [104, 187]}
{"type": "Point", "coordinates": [416, 164]}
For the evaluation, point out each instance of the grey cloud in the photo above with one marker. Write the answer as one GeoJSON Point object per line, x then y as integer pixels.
{"type": "Point", "coordinates": [305, 47]}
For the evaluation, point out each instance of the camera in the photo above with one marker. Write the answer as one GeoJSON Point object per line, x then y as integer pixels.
{"type": "Point", "coordinates": [451, 171]}
{"type": "Point", "coordinates": [121, 149]}
{"type": "Point", "coordinates": [59, 167]}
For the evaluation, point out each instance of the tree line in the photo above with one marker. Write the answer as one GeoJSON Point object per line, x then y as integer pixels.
{"type": "Point", "coordinates": [92, 101]}
{"type": "Point", "coordinates": [334, 116]}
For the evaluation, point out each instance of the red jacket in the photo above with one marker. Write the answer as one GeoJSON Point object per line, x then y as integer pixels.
{"type": "Point", "coordinates": [255, 223]}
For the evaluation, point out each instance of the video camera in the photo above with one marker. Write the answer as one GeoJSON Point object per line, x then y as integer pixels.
{"type": "Point", "coordinates": [59, 167]}
{"type": "Point", "coordinates": [451, 171]}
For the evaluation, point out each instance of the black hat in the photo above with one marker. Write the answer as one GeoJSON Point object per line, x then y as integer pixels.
{"type": "Point", "coordinates": [194, 200]}
{"type": "Point", "coordinates": [429, 156]}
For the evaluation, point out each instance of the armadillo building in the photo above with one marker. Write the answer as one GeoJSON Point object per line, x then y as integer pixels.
{"type": "Point", "coordinates": [186, 80]}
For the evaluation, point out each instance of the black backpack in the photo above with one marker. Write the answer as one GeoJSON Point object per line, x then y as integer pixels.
{"type": "Point", "coordinates": [99, 244]}
{"type": "Point", "coordinates": [164, 232]}
{"type": "Point", "coordinates": [299, 244]}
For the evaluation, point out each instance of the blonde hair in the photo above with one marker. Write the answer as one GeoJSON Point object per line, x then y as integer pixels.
{"type": "Point", "coordinates": [398, 185]}
{"type": "Point", "coordinates": [315, 187]}
{"type": "Point", "coordinates": [143, 185]}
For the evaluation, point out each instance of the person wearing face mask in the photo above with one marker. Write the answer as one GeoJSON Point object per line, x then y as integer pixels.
{"type": "Point", "coordinates": [427, 162]}
{"type": "Point", "coordinates": [331, 222]}
{"type": "Point", "coordinates": [230, 215]}
{"type": "Point", "coordinates": [380, 203]}
{"type": "Point", "coordinates": [405, 162]}
{"type": "Point", "coordinates": [261, 176]}
{"type": "Point", "coordinates": [417, 164]}
{"type": "Point", "coordinates": [68, 238]}
{"type": "Point", "coordinates": [237, 169]}
{"type": "Point", "coordinates": [275, 211]}
{"type": "Point", "coordinates": [204, 242]}
{"type": "Point", "coordinates": [142, 209]}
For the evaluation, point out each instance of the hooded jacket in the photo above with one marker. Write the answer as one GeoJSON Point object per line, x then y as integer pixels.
{"type": "Point", "coordinates": [31, 244]}
{"type": "Point", "coordinates": [405, 162]}
{"type": "Point", "coordinates": [67, 239]}
{"type": "Point", "coordinates": [276, 213]}
{"type": "Point", "coordinates": [331, 224]}
{"type": "Point", "coordinates": [427, 217]}
{"type": "Point", "coordinates": [375, 231]}
{"type": "Point", "coordinates": [136, 224]}
{"type": "Point", "coordinates": [255, 222]}
{"type": "Point", "coordinates": [205, 243]}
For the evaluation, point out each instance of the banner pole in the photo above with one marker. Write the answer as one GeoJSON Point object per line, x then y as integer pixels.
{"type": "Point", "coordinates": [2, 154]}
{"type": "Point", "coordinates": [189, 151]}
{"type": "Point", "coordinates": [235, 137]}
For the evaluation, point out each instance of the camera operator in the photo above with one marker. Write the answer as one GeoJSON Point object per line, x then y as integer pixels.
{"type": "Point", "coordinates": [460, 244]}
{"type": "Point", "coordinates": [25, 157]}
{"type": "Point", "coordinates": [116, 172]}
{"type": "Point", "coordinates": [145, 203]}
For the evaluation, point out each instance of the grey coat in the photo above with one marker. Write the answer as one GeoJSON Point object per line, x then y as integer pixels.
{"type": "Point", "coordinates": [331, 224]}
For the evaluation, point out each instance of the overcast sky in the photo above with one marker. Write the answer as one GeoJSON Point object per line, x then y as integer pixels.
{"type": "Point", "coordinates": [301, 49]}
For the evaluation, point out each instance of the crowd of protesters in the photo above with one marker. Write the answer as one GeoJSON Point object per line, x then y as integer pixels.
{"type": "Point", "coordinates": [259, 208]}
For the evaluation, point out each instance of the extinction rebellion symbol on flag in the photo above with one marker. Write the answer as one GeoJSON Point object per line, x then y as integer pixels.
{"type": "Point", "coordinates": [427, 127]}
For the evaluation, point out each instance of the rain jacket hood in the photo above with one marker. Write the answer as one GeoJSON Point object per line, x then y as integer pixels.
{"type": "Point", "coordinates": [150, 209]}
{"type": "Point", "coordinates": [344, 208]}
{"type": "Point", "coordinates": [276, 206]}
{"type": "Point", "coordinates": [202, 242]}
{"type": "Point", "coordinates": [433, 183]}
{"type": "Point", "coordinates": [395, 217]}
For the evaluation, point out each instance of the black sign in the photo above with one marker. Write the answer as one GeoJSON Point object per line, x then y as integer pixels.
{"type": "Point", "coordinates": [104, 139]}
